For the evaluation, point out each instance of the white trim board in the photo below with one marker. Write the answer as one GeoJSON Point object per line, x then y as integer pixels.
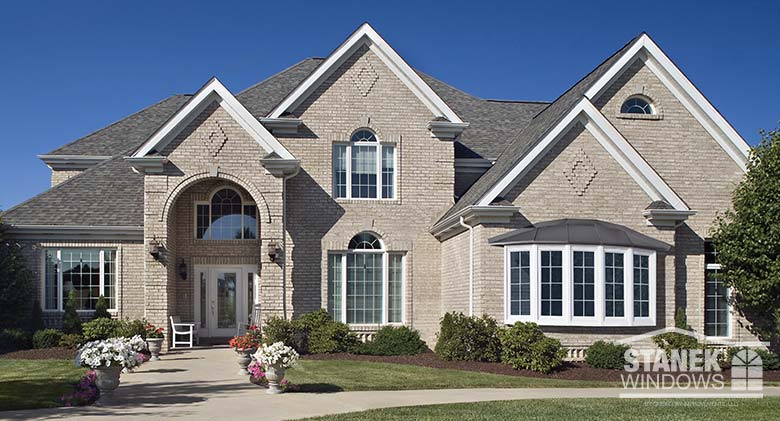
{"type": "Point", "coordinates": [213, 90]}
{"type": "Point", "coordinates": [614, 143]}
{"type": "Point", "coordinates": [682, 88]}
{"type": "Point", "coordinates": [366, 35]}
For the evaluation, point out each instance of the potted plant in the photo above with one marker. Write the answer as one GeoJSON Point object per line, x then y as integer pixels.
{"type": "Point", "coordinates": [275, 359]}
{"type": "Point", "coordinates": [138, 344]}
{"type": "Point", "coordinates": [107, 357]}
{"type": "Point", "coordinates": [154, 339]}
{"type": "Point", "coordinates": [244, 345]}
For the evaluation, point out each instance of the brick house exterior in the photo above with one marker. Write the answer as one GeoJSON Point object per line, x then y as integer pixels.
{"type": "Point", "coordinates": [461, 175]}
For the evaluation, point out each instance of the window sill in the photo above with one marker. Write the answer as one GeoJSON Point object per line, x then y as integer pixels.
{"type": "Point", "coordinates": [580, 321]}
{"type": "Point", "coordinates": [368, 201]}
{"type": "Point", "coordinates": [629, 116]}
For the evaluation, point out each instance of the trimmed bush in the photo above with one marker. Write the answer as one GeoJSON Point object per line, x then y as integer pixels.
{"type": "Point", "coordinates": [606, 355]}
{"type": "Point", "coordinates": [331, 337]}
{"type": "Point", "coordinates": [36, 317]}
{"type": "Point", "coordinates": [71, 340]}
{"type": "Point", "coordinates": [394, 340]}
{"type": "Point", "coordinates": [277, 329]}
{"type": "Point", "coordinates": [524, 346]}
{"type": "Point", "coordinates": [99, 329]}
{"type": "Point", "coordinates": [46, 338]}
{"type": "Point", "coordinates": [14, 339]}
{"type": "Point", "coordinates": [134, 327]}
{"type": "Point", "coordinates": [463, 338]}
{"type": "Point", "coordinates": [673, 340]}
{"type": "Point", "coordinates": [101, 309]}
{"type": "Point", "coordinates": [71, 322]}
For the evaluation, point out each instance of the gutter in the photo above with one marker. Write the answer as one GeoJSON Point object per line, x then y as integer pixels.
{"type": "Point", "coordinates": [75, 232]}
{"type": "Point", "coordinates": [284, 238]}
{"type": "Point", "coordinates": [471, 265]}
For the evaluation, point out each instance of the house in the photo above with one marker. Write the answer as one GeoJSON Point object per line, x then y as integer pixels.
{"type": "Point", "coordinates": [358, 184]}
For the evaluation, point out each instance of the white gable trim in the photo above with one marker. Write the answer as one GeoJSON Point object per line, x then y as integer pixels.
{"type": "Point", "coordinates": [366, 35]}
{"type": "Point", "coordinates": [612, 141]}
{"type": "Point", "coordinates": [670, 75]}
{"type": "Point", "coordinates": [213, 90]}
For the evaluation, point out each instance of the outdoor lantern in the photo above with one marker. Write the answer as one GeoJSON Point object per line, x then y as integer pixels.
{"type": "Point", "coordinates": [154, 249]}
{"type": "Point", "coordinates": [273, 251]}
{"type": "Point", "coordinates": [182, 269]}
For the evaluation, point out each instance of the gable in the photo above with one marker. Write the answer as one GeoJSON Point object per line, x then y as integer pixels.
{"type": "Point", "coordinates": [366, 36]}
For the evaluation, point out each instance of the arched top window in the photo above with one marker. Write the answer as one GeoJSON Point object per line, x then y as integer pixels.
{"type": "Point", "coordinates": [226, 217]}
{"type": "Point", "coordinates": [364, 167]}
{"type": "Point", "coordinates": [363, 135]}
{"type": "Point", "coordinates": [365, 241]}
{"type": "Point", "coordinates": [637, 105]}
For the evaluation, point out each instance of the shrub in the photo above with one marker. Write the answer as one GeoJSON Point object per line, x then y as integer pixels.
{"type": "Point", "coordinates": [524, 346]}
{"type": "Point", "coordinates": [17, 285]}
{"type": "Point", "coordinates": [673, 340]}
{"type": "Point", "coordinates": [769, 360]}
{"type": "Point", "coordinates": [463, 338]}
{"type": "Point", "coordinates": [71, 322]}
{"type": "Point", "coordinates": [71, 340]}
{"type": "Point", "coordinates": [391, 340]}
{"type": "Point", "coordinates": [332, 337]}
{"type": "Point", "coordinates": [14, 339]}
{"type": "Point", "coordinates": [606, 355]}
{"type": "Point", "coordinates": [277, 329]}
{"type": "Point", "coordinates": [101, 309]}
{"type": "Point", "coordinates": [134, 327]}
{"type": "Point", "coordinates": [36, 317]}
{"type": "Point", "coordinates": [99, 329]}
{"type": "Point", "coordinates": [47, 338]}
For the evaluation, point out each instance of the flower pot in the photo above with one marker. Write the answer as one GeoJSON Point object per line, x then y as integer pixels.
{"type": "Point", "coordinates": [155, 345]}
{"type": "Point", "coordinates": [107, 380]}
{"type": "Point", "coordinates": [244, 357]}
{"type": "Point", "coordinates": [275, 375]}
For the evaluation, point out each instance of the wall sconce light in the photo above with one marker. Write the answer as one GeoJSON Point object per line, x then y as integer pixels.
{"type": "Point", "coordinates": [182, 267]}
{"type": "Point", "coordinates": [155, 249]}
{"type": "Point", "coordinates": [273, 251]}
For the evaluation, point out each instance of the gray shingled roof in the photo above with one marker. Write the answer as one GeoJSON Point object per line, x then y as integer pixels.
{"type": "Point", "coordinates": [108, 194]}
{"type": "Point", "coordinates": [129, 132]}
{"type": "Point", "coordinates": [532, 134]}
{"type": "Point", "coordinates": [579, 231]}
{"type": "Point", "coordinates": [261, 98]}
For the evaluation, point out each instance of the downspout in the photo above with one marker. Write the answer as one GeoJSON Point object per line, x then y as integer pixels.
{"type": "Point", "coordinates": [284, 240]}
{"type": "Point", "coordinates": [471, 265]}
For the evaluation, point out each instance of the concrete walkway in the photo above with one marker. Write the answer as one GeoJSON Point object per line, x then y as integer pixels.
{"type": "Point", "coordinates": [203, 384]}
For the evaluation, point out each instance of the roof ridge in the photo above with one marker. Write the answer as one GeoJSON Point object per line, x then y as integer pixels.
{"type": "Point", "coordinates": [521, 101]}
{"type": "Point", "coordinates": [52, 152]}
{"type": "Point", "coordinates": [279, 73]}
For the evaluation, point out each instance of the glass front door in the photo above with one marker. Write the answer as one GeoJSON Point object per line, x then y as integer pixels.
{"type": "Point", "coordinates": [223, 297]}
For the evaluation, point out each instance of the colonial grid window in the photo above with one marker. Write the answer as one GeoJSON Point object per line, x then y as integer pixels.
{"type": "Point", "coordinates": [364, 168]}
{"type": "Point", "coordinates": [226, 217]}
{"type": "Point", "coordinates": [717, 317]}
{"type": "Point", "coordinates": [88, 272]}
{"type": "Point", "coordinates": [576, 285]}
{"type": "Point", "coordinates": [365, 283]}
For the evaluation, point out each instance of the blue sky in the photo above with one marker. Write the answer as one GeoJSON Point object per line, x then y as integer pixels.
{"type": "Point", "coordinates": [70, 68]}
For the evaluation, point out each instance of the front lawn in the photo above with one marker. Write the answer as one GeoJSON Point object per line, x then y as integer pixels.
{"type": "Point", "coordinates": [338, 375]}
{"type": "Point", "coordinates": [587, 409]}
{"type": "Point", "coordinates": [28, 384]}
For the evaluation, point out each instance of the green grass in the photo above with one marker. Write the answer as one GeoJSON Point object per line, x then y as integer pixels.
{"type": "Point", "coordinates": [581, 409]}
{"type": "Point", "coordinates": [28, 384]}
{"type": "Point", "coordinates": [335, 375]}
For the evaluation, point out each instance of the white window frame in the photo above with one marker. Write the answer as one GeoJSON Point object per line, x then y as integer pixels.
{"type": "Point", "coordinates": [708, 267]}
{"type": "Point", "coordinates": [348, 161]}
{"type": "Point", "coordinates": [208, 203]}
{"type": "Point", "coordinates": [385, 283]}
{"type": "Point", "coordinates": [61, 293]}
{"type": "Point", "coordinates": [568, 319]}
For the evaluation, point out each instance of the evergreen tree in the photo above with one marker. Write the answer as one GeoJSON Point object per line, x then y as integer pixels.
{"type": "Point", "coordinates": [71, 322]}
{"type": "Point", "coordinates": [101, 309]}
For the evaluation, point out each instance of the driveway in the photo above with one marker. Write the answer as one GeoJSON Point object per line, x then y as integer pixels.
{"type": "Point", "coordinates": [204, 384]}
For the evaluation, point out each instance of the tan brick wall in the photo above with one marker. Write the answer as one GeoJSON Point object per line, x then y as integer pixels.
{"type": "Point", "coordinates": [58, 176]}
{"type": "Point", "coordinates": [455, 273]}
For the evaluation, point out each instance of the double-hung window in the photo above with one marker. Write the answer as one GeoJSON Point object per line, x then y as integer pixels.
{"type": "Point", "coordinates": [366, 283]}
{"type": "Point", "coordinates": [580, 285]}
{"type": "Point", "coordinates": [88, 272]}
{"type": "Point", "coordinates": [717, 318]}
{"type": "Point", "coordinates": [364, 168]}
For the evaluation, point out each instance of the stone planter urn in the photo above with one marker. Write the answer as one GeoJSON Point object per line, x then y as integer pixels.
{"type": "Point", "coordinates": [244, 357]}
{"type": "Point", "coordinates": [275, 375]}
{"type": "Point", "coordinates": [107, 380]}
{"type": "Point", "coordinates": [154, 345]}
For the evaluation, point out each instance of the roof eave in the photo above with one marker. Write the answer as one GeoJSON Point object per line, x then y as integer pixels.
{"type": "Point", "coordinates": [472, 215]}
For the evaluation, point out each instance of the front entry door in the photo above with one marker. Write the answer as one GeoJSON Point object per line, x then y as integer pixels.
{"type": "Point", "coordinates": [223, 298]}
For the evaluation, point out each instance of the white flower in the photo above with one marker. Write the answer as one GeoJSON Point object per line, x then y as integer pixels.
{"type": "Point", "coordinates": [98, 354]}
{"type": "Point", "coordinates": [276, 354]}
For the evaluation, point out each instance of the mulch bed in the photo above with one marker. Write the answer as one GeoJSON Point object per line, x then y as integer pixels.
{"type": "Point", "coordinates": [41, 354]}
{"type": "Point", "coordinates": [570, 370]}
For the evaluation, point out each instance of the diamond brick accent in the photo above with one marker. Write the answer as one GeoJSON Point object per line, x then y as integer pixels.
{"type": "Point", "coordinates": [365, 78]}
{"type": "Point", "coordinates": [582, 173]}
{"type": "Point", "coordinates": [215, 140]}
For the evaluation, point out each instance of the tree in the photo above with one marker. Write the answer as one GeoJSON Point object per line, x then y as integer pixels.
{"type": "Point", "coordinates": [16, 284]}
{"type": "Point", "coordinates": [747, 241]}
{"type": "Point", "coordinates": [101, 309]}
{"type": "Point", "coordinates": [71, 322]}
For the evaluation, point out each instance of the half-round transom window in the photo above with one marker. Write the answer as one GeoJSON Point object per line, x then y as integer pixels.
{"type": "Point", "coordinates": [365, 241]}
{"type": "Point", "coordinates": [637, 105]}
{"type": "Point", "coordinates": [363, 136]}
{"type": "Point", "coordinates": [226, 217]}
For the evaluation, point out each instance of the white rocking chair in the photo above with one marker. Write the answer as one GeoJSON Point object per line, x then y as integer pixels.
{"type": "Point", "coordinates": [187, 330]}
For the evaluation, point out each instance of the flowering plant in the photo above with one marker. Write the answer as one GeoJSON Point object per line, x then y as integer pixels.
{"type": "Point", "coordinates": [243, 342]}
{"type": "Point", "coordinates": [85, 392]}
{"type": "Point", "coordinates": [102, 354]}
{"type": "Point", "coordinates": [257, 376]}
{"type": "Point", "coordinates": [137, 343]}
{"type": "Point", "coordinates": [153, 332]}
{"type": "Point", "coordinates": [276, 354]}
